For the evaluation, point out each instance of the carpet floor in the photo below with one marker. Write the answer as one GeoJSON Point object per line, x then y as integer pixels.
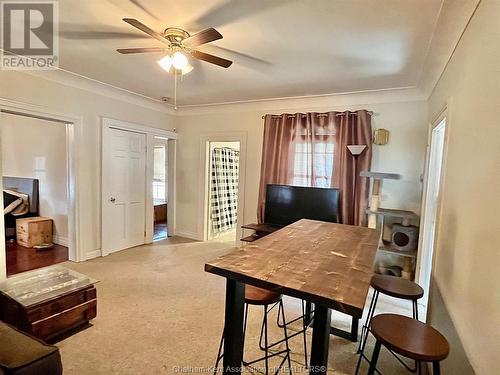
{"type": "Point", "coordinates": [160, 313]}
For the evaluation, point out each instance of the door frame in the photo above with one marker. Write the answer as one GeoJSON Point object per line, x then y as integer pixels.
{"type": "Point", "coordinates": [203, 186]}
{"type": "Point", "coordinates": [165, 143]}
{"type": "Point", "coordinates": [150, 133]}
{"type": "Point", "coordinates": [422, 253]}
{"type": "Point", "coordinates": [73, 138]}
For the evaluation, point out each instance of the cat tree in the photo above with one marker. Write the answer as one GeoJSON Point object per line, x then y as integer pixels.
{"type": "Point", "coordinates": [403, 236]}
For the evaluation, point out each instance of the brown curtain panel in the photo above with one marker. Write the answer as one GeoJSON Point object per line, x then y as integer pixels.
{"type": "Point", "coordinates": [277, 155]}
{"type": "Point", "coordinates": [298, 141]}
{"type": "Point", "coordinates": [352, 128]}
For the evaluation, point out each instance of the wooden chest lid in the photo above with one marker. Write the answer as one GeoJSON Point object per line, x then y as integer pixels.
{"type": "Point", "coordinates": [37, 286]}
{"type": "Point", "coordinates": [35, 219]}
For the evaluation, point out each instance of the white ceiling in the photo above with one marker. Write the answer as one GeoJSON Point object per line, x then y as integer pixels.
{"type": "Point", "coordinates": [285, 48]}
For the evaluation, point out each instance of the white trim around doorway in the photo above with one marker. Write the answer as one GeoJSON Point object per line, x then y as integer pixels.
{"type": "Point", "coordinates": [205, 139]}
{"type": "Point", "coordinates": [444, 114]}
{"type": "Point", "coordinates": [73, 136]}
{"type": "Point", "coordinates": [151, 133]}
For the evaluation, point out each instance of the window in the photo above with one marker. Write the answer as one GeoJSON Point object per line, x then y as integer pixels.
{"type": "Point", "coordinates": [323, 164]}
{"type": "Point", "coordinates": [160, 175]}
{"type": "Point", "coordinates": [313, 158]}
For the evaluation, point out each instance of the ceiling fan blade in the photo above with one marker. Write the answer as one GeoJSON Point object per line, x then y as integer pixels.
{"type": "Point", "coordinates": [230, 11]}
{"type": "Point", "coordinates": [205, 36]}
{"type": "Point", "coordinates": [144, 9]}
{"type": "Point", "coordinates": [140, 50]}
{"type": "Point", "coordinates": [211, 59]}
{"type": "Point", "coordinates": [147, 30]}
{"type": "Point", "coordinates": [94, 32]}
{"type": "Point", "coordinates": [98, 35]}
{"type": "Point", "coordinates": [240, 57]}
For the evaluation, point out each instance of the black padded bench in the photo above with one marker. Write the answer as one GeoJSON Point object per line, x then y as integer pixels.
{"type": "Point", "coordinates": [21, 354]}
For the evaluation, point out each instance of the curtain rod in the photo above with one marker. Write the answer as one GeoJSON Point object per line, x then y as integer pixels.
{"type": "Point", "coordinates": [322, 114]}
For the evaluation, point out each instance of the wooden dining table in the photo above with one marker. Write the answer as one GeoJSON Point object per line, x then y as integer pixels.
{"type": "Point", "coordinates": [327, 264]}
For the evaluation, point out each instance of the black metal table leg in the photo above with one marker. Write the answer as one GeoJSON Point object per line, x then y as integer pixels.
{"type": "Point", "coordinates": [354, 329]}
{"type": "Point", "coordinates": [435, 368]}
{"type": "Point", "coordinates": [233, 331]}
{"type": "Point", "coordinates": [308, 313]}
{"type": "Point", "coordinates": [320, 340]}
{"type": "Point", "coordinates": [348, 335]}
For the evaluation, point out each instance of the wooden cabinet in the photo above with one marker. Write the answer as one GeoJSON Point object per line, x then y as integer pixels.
{"type": "Point", "coordinates": [34, 231]}
{"type": "Point", "coordinates": [54, 317]}
{"type": "Point", "coordinates": [160, 212]}
{"type": "Point", "coordinates": [48, 302]}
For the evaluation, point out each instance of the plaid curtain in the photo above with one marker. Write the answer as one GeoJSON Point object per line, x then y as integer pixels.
{"type": "Point", "coordinates": [224, 191]}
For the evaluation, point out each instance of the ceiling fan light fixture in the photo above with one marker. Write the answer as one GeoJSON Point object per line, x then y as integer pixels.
{"type": "Point", "coordinates": [188, 68]}
{"type": "Point", "coordinates": [179, 60]}
{"type": "Point", "coordinates": [180, 43]}
{"type": "Point", "coordinates": [166, 63]}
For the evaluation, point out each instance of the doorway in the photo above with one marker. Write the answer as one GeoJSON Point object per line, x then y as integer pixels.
{"type": "Point", "coordinates": [127, 202]}
{"type": "Point", "coordinates": [223, 176]}
{"type": "Point", "coordinates": [160, 189]}
{"type": "Point", "coordinates": [124, 189]}
{"type": "Point", "coordinates": [35, 183]}
{"type": "Point", "coordinates": [431, 204]}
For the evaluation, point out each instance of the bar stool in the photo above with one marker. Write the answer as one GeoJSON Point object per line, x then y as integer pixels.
{"type": "Point", "coordinates": [395, 287]}
{"type": "Point", "coordinates": [306, 319]}
{"type": "Point", "coordinates": [409, 338]}
{"type": "Point", "coordinates": [269, 300]}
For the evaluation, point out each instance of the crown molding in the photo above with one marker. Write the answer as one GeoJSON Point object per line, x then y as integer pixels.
{"type": "Point", "coordinates": [311, 102]}
{"type": "Point", "coordinates": [78, 81]}
{"type": "Point", "coordinates": [451, 25]}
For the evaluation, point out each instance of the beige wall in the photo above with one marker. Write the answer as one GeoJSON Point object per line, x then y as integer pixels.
{"type": "Point", "coordinates": [35, 148]}
{"type": "Point", "coordinates": [467, 256]}
{"type": "Point", "coordinates": [404, 154]}
{"type": "Point", "coordinates": [90, 106]}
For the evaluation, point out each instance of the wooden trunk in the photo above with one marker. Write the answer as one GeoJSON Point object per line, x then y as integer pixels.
{"type": "Point", "coordinates": [34, 231]}
{"type": "Point", "coordinates": [160, 212]}
{"type": "Point", "coordinates": [52, 318]}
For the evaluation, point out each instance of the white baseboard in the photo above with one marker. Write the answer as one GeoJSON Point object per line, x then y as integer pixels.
{"type": "Point", "coordinates": [93, 254]}
{"type": "Point", "coordinates": [60, 240]}
{"type": "Point", "coordinates": [187, 234]}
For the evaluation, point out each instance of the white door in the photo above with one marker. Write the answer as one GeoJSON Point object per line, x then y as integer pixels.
{"type": "Point", "coordinates": [123, 189]}
{"type": "Point", "coordinates": [431, 206]}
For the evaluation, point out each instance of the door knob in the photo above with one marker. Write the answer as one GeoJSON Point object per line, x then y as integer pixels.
{"type": "Point", "coordinates": [112, 200]}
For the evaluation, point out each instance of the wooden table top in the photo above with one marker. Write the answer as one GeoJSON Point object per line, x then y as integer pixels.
{"type": "Point", "coordinates": [326, 263]}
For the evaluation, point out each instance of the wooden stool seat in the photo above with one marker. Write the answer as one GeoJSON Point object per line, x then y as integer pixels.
{"type": "Point", "coordinates": [258, 296]}
{"type": "Point", "coordinates": [410, 338]}
{"type": "Point", "coordinates": [397, 287]}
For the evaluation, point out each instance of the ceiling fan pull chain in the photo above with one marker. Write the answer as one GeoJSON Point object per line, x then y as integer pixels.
{"type": "Point", "coordinates": [175, 91]}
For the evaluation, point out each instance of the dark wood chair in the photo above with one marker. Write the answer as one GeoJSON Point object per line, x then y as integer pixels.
{"type": "Point", "coordinates": [395, 287]}
{"type": "Point", "coordinates": [260, 297]}
{"type": "Point", "coordinates": [409, 338]}
{"type": "Point", "coordinates": [269, 300]}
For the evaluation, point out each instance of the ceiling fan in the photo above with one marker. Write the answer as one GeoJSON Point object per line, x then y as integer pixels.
{"type": "Point", "coordinates": [178, 45]}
